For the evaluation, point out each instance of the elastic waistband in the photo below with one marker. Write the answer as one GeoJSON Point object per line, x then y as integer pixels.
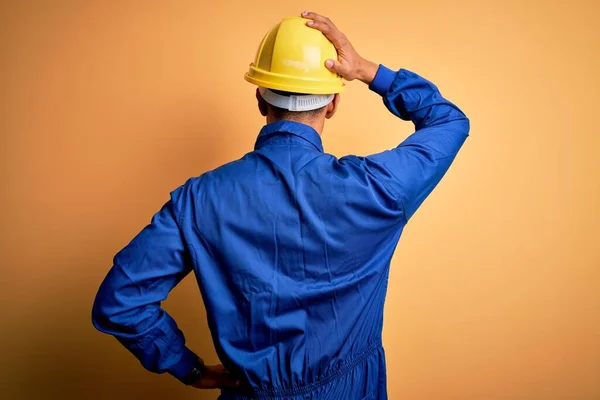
{"type": "Point", "coordinates": [304, 389]}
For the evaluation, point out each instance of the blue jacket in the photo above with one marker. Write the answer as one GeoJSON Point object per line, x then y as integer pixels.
{"type": "Point", "coordinates": [291, 248]}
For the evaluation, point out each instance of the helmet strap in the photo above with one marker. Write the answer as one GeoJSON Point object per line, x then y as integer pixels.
{"type": "Point", "coordinates": [305, 102]}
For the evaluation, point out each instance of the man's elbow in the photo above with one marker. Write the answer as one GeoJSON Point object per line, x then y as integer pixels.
{"type": "Point", "coordinates": [101, 315]}
{"type": "Point", "coordinates": [118, 319]}
{"type": "Point", "coordinates": [108, 314]}
{"type": "Point", "coordinates": [459, 133]}
{"type": "Point", "coordinates": [466, 124]}
{"type": "Point", "coordinates": [460, 122]}
{"type": "Point", "coordinates": [461, 128]}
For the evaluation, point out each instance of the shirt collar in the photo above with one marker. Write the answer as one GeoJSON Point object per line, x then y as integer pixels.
{"type": "Point", "coordinates": [300, 132]}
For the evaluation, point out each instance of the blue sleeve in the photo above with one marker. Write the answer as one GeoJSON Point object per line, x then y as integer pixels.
{"type": "Point", "coordinates": [414, 168]}
{"type": "Point", "coordinates": [128, 303]}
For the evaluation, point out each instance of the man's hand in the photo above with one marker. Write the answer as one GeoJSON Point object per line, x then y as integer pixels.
{"type": "Point", "coordinates": [350, 65]}
{"type": "Point", "coordinates": [216, 377]}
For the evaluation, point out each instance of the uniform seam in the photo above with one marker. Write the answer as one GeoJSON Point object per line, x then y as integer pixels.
{"type": "Point", "coordinates": [299, 391]}
{"type": "Point", "coordinates": [395, 194]}
{"type": "Point", "coordinates": [179, 221]}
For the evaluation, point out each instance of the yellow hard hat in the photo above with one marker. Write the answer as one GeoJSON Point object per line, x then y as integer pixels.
{"type": "Point", "coordinates": [291, 58]}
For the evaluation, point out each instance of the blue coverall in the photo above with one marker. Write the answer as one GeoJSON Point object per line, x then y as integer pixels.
{"type": "Point", "coordinates": [291, 248]}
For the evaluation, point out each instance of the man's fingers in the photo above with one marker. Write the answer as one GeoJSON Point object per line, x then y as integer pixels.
{"type": "Point", "coordinates": [330, 33]}
{"type": "Point", "coordinates": [333, 65]}
{"type": "Point", "coordinates": [339, 68]}
{"type": "Point", "coordinates": [325, 25]}
{"type": "Point", "coordinates": [317, 17]}
{"type": "Point", "coordinates": [228, 382]}
{"type": "Point", "coordinates": [322, 26]}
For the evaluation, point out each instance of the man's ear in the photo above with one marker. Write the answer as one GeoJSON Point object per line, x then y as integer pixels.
{"type": "Point", "coordinates": [332, 107]}
{"type": "Point", "coordinates": [262, 104]}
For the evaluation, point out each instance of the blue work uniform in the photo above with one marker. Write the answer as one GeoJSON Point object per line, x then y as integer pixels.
{"type": "Point", "coordinates": [291, 248]}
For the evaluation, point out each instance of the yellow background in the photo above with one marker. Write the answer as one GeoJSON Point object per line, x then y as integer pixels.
{"type": "Point", "coordinates": [106, 106]}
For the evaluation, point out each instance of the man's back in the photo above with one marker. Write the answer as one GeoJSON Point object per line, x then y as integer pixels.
{"type": "Point", "coordinates": [291, 249]}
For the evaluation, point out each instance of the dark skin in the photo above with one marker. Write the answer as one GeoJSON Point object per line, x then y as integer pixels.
{"type": "Point", "coordinates": [216, 377]}
{"type": "Point", "coordinates": [349, 66]}
{"type": "Point", "coordinates": [317, 122]}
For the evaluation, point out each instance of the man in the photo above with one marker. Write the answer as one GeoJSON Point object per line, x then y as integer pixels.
{"type": "Point", "coordinates": [290, 246]}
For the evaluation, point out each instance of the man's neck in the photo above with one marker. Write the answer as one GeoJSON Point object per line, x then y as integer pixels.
{"type": "Point", "coordinates": [317, 124]}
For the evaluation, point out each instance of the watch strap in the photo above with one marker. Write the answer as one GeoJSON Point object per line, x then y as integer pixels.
{"type": "Point", "coordinates": [195, 374]}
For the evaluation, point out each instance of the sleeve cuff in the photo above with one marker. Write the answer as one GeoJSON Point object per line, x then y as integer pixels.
{"type": "Point", "coordinates": [383, 80]}
{"type": "Point", "coordinates": [185, 364]}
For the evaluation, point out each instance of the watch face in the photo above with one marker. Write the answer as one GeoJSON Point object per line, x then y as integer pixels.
{"type": "Point", "coordinates": [195, 374]}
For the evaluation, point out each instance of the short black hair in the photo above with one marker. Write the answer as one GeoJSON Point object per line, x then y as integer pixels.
{"type": "Point", "coordinates": [282, 113]}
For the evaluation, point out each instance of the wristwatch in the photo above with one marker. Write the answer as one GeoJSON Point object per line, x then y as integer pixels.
{"type": "Point", "coordinates": [195, 374]}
